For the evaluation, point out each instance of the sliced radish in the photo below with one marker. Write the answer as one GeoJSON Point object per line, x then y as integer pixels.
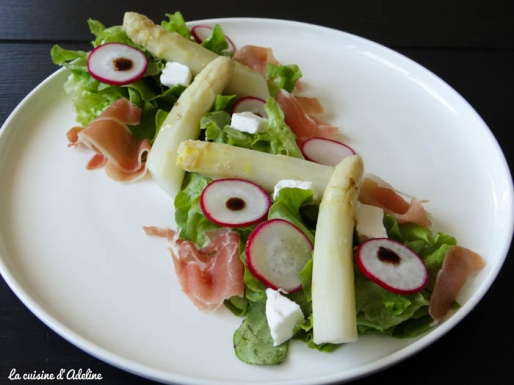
{"type": "Point", "coordinates": [250, 104]}
{"type": "Point", "coordinates": [202, 32]}
{"type": "Point", "coordinates": [392, 265]}
{"type": "Point", "coordinates": [276, 252]}
{"type": "Point", "coordinates": [325, 151]}
{"type": "Point", "coordinates": [116, 63]}
{"type": "Point", "coordinates": [234, 202]}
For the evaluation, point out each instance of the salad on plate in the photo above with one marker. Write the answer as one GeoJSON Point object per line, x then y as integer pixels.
{"type": "Point", "coordinates": [276, 218]}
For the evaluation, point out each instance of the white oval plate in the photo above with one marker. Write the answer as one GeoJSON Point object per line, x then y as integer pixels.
{"type": "Point", "coordinates": [73, 249]}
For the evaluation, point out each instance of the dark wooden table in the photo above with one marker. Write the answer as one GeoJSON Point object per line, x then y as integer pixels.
{"type": "Point", "coordinates": [469, 44]}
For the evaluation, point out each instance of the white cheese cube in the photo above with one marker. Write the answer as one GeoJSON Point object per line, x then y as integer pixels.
{"type": "Point", "coordinates": [282, 315]}
{"type": "Point", "coordinates": [176, 74]}
{"type": "Point", "coordinates": [304, 185]}
{"type": "Point", "coordinates": [248, 122]}
{"type": "Point", "coordinates": [369, 222]}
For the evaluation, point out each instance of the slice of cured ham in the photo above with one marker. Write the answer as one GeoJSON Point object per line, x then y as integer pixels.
{"type": "Point", "coordinates": [159, 232]}
{"type": "Point", "coordinates": [459, 263]}
{"type": "Point", "coordinates": [378, 193]}
{"type": "Point", "coordinates": [209, 275]}
{"type": "Point", "coordinates": [117, 150]}
{"type": "Point", "coordinates": [300, 117]}
{"type": "Point", "coordinates": [255, 57]}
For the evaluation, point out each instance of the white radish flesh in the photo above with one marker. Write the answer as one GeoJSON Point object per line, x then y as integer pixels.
{"type": "Point", "coordinates": [251, 104]}
{"type": "Point", "coordinates": [392, 265]}
{"type": "Point", "coordinates": [276, 252]}
{"type": "Point", "coordinates": [202, 32]}
{"type": "Point", "coordinates": [325, 151]}
{"type": "Point", "coordinates": [116, 64]}
{"type": "Point", "coordinates": [234, 202]}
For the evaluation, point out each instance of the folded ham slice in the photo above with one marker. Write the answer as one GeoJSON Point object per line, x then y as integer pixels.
{"type": "Point", "coordinates": [376, 192]}
{"type": "Point", "coordinates": [117, 150]}
{"type": "Point", "coordinates": [459, 263]}
{"type": "Point", "coordinates": [210, 275]}
{"type": "Point", "coordinates": [300, 117]}
{"type": "Point", "coordinates": [255, 57]}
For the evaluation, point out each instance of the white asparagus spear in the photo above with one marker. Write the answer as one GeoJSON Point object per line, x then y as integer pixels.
{"type": "Point", "coordinates": [333, 291]}
{"type": "Point", "coordinates": [219, 160]}
{"type": "Point", "coordinates": [183, 122]}
{"type": "Point", "coordinates": [172, 46]}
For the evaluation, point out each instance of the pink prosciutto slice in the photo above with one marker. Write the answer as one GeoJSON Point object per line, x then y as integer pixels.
{"type": "Point", "coordinates": [159, 232]}
{"type": "Point", "coordinates": [258, 58]}
{"type": "Point", "coordinates": [299, 117]}
{"type": "Point", "coordinates": [255, 57]}
{"type": "Point", "coordinates": [378, 193]}
{"type": "Point", "coordinates": [459, 263]}
{"type": "Point", "coordinates": [121, 155]}
{"type": "Point", "coordinates": [213, 274]}
{"type": "Point", "coordinates": [210, 275]}
{"type": "Point", "coordinates": [310, 105]}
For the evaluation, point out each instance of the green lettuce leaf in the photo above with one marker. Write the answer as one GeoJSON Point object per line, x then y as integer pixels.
{"type": "Point", "coordinates": [304, 332]}
{"type": "Point", "coordinates": [217, 42]}
{"type": "Point", "coordinates": [90, 97]}
{"type": "Point", "coordinates": [176, 23]}
{"type": "Point", "coordinates": [188, 214]}
{"type": "Point", "coordinates": [282, 77]}
{"type": "Point", "coordinates": [253, 343]}
{"type": "Point", "coordinates": [276, 139]}
{"type": "Point", "coordinates": [103, 34]}
{"type": "Point", "coordinates": [379, 310]}
{"type": "Point", "coordinates": [289, 205]}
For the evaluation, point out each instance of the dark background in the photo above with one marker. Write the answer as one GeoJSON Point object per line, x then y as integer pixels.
{"type": "Point", "coordinates": [469, 44]}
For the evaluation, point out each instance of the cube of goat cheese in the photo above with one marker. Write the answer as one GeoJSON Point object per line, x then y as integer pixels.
{"type": "Point", "coordinates": [247, 121]}
{"type": "Point", "coordinates": [282, 315]}
{"type": "Point", "coordinates": [304, 185]}
{"type": "Point", "coordinates": [369, 222]}
{"type": "Point", "coordinates": [175, 73]}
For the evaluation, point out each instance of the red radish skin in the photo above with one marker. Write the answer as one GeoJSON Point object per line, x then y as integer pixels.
{"type": "Point", "coordinates": [234, 202]}
{"type": "Point", "coordinates": [251, 104]}
{"type": "Point", "coordinates": [116, 64]}
{"type": "Point", "coordinates": [276, 252]}
{"type": "Point", "coordinates": [325, 151]}
{"type": "Point", "coordinates": [392, 265]}
{"type": "Point", "coordinates": [202, 32]}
